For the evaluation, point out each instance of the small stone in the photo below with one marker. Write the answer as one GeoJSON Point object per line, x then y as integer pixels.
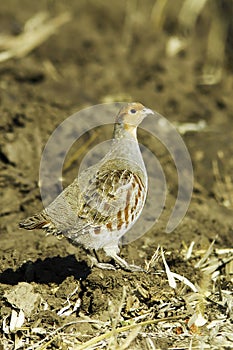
{"type": "Point", "coordinates": [22, 297]}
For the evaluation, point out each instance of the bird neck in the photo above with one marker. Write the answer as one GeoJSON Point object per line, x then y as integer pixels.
{"type": "Point", "coordinates": [125, 145]}
{"type": "Point", "coordinates": [125, 131]}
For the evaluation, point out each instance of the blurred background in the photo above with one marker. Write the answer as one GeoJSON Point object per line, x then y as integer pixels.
{"type": "Point", "coordinates": [85, 52]}
{"type": "Point", "coordinates": [58, 57]}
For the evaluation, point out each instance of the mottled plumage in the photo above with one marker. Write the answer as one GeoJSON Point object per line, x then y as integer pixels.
{"type": "Point", "coordinates": [105, 200]}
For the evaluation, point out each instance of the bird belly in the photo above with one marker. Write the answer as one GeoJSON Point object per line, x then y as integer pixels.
{"type": "Point", "coordinates": [99, 236]}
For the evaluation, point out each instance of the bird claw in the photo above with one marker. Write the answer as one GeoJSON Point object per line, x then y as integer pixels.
{"type": "Point", "coordinates": [134, 268]}
{"type": "Point", "coordinates": [125, 266]}
{"type": "Point", "coordinates": [103, 266]}
{"type": "Point", "coordinates": [119, 261]}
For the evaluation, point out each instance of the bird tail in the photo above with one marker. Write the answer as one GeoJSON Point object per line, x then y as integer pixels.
{"type": "Point", "coordinates": [37, 221]}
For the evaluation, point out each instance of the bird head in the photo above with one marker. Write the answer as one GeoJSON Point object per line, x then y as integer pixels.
{"type": "Point", "coordinates": [128, 119]}
{"type": "Point", "coordinates": [132, 114]}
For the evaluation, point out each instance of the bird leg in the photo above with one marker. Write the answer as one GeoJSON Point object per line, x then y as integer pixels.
{"type": "Point", "coordinates": [112, 252]}
{"type": "Point", "coordinates": [95, 261]}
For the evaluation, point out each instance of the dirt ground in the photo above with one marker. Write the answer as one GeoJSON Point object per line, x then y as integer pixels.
{"type": "Point", "coordinates": [50, 297]}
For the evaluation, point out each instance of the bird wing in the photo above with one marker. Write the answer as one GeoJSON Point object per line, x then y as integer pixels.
{"type": "Point", "coordinates": [109, 192]}
{"type": "Point", "coordinates": [96, 198]}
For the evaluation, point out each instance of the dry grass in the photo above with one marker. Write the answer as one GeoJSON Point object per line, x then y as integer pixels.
{"type": "Point", "coordinates": [36, 30]}
{"type": "Point", "coordinates": [223, 182]}
{"type": "Point", "coordinates": [186, 14]}
{"type": "Point", "coordinates": [205, 318]}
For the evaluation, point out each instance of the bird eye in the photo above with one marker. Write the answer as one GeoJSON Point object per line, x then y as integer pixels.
{"type": "Point", "coordinates": [133, 111]}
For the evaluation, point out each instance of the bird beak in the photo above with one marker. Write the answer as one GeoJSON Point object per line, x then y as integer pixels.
{"type": "Point", "coordinates": [147, 111]}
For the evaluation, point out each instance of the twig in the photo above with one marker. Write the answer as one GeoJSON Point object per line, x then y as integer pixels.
{"type": "Point", "coordinates": [124, 329]}
{"type": "Point", "coordinates": [32, 36]}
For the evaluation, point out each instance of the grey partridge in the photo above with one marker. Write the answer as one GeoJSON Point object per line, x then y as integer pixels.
{"type": "Point", "coordinates": [106, 199]}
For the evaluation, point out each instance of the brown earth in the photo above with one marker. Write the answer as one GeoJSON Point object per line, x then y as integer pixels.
{"type": "Point", "coordinates": [111, 51]}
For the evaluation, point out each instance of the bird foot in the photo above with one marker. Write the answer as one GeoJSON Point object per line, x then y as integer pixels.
{"type": "Point", "coordinates": [134, 268]}
{"type": "Point", "coordinates": [118, 260]}
{"type": "Point", "coordinates": [124, 265]}
{"type": "Point", "coordinates": [103, 266]}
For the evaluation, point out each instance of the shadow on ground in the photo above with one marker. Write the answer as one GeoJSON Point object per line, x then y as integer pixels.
{"type": "Point", "coordinates": [50, 270]}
